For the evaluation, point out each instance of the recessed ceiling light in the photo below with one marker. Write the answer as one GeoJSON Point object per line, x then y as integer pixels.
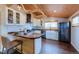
{"type": "Point", "coordinates": [54, 11]}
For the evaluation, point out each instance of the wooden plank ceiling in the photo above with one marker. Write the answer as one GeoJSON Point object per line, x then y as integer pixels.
{"type": "Point", "coordinates": [52, 10]}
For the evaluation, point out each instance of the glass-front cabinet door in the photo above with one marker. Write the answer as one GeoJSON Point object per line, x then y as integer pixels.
{"type": "Point", "coordinates": [17, 18]}
{"type": "Point", "coordinates": [10, 16]}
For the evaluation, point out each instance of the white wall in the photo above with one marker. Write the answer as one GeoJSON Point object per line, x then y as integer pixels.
{"type": "Point", "coordinates": [0, 21]}
{"type": "Point", "coordinates": [1, 26]}
{"type": "Point", "coordinates": [75, 34]}
{"type": "Point", "coordinates": [58, 19]}
{"type": "Point", "coordinates": [75, 37]}
{"type": "Point", "coordinates": [36, 22]}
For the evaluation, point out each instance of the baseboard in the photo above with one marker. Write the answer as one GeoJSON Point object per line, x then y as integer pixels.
{"type": "Point", "coordinates": [75, 47]}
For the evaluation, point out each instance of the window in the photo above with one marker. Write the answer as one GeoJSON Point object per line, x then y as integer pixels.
{"type": "Point", "coordinates": [75, 20]}
{"type": "Point", "coordinates": [50, 25]}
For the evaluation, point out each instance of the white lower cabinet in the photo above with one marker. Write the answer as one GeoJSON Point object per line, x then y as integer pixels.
{"type": "Point", "coordinates": [52, 35]}
{"type": "Point", "coordinates": [38, 45]}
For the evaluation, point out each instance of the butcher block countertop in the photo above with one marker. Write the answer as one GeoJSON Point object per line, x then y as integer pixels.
{"type": "Point", "coordinates": [31, 35]}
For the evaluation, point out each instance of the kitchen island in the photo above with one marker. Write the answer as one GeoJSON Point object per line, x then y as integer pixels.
{"type": "Point", "coordinates": [32, 43]}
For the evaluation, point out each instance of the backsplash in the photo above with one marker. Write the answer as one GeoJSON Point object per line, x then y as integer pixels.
{"type": "Point", "coordinates": [15, 28]}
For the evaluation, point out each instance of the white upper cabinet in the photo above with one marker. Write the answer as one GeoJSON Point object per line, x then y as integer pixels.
{"type": "Point", "coordinates": [14, 17]}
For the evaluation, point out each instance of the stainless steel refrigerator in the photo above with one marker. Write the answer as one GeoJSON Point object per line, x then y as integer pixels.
{"type": "Point", "coordinates": [65, 32]}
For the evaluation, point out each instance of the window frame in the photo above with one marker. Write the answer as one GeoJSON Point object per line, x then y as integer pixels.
{"type": "Point", "coordinates": [72, 21]}
{"type": "Point", "coordinates": [50, 25]}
